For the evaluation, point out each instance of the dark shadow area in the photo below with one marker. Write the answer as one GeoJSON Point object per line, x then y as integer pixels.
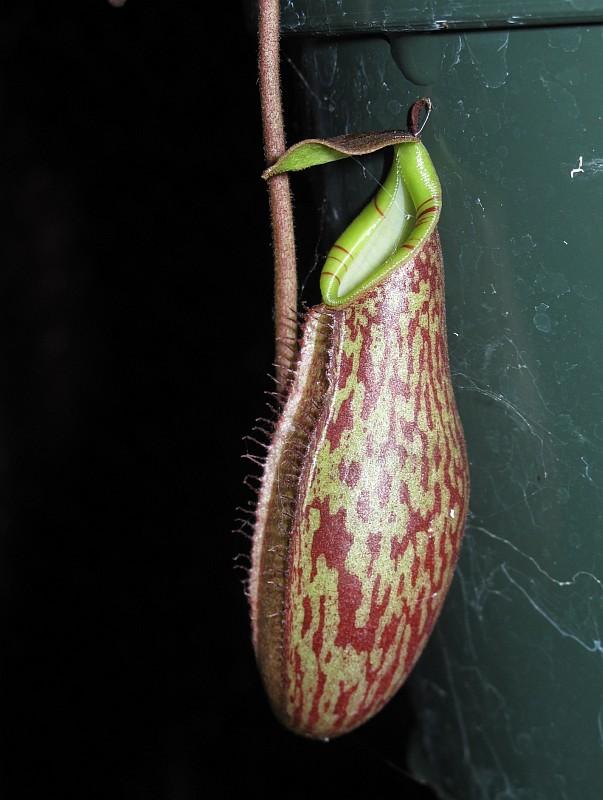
{"type": "Point", "coordinates": [135, 314]}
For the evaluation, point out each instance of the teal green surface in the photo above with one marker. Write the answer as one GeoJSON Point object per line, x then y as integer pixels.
{"type": "Point", "coordinates": [509, 693]}
{"type": "Point", "coordinates": [360, 16]}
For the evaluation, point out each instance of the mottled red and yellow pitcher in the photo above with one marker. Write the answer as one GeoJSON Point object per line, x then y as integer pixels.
{"type": "Point", "coordinates": [365, 490]}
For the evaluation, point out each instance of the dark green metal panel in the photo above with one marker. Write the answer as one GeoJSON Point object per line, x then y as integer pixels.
{"type": "Point", "coordinates": [357, 16]}
{"type": "Point", "coordinates": [510, 690]}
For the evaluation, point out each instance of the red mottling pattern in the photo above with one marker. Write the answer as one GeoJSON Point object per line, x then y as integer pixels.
{"type": "Point", "coordinates": [381, 506]}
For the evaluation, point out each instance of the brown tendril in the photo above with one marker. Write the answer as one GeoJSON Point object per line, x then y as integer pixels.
{"type": "Point", "coordinates": [281, 207]}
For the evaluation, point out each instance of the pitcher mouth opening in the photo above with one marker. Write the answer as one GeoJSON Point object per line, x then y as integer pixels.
{"type": "Point", "coordinates": [388, 231]}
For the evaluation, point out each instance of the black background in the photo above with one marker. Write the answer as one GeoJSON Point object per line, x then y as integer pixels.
{"type": "Point", "coordinates": [135, 314]}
